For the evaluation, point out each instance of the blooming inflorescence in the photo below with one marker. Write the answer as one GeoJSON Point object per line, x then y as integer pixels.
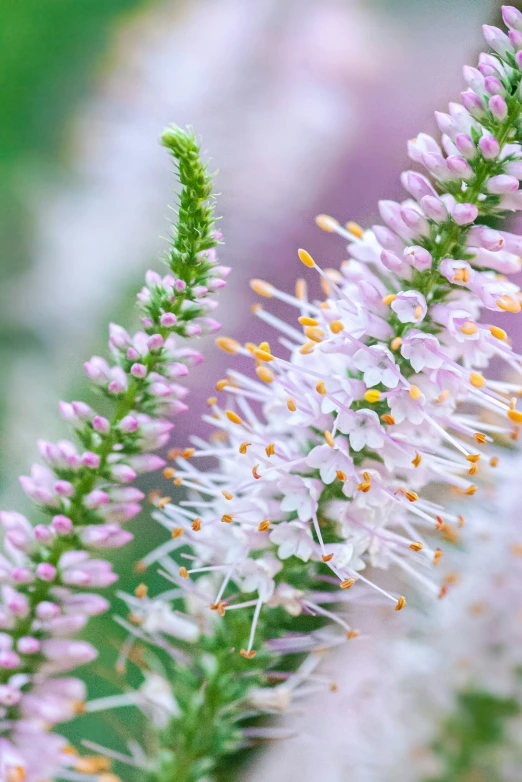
{"type": "Point", "coordinates": [324, 461]}
{"type": "Point", "coordinates": [84, 490]}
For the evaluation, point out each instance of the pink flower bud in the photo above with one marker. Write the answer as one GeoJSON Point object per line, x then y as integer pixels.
{"type": "Point", "coordinates": [501, 184]}
{"type": "Point", "coordinates": [90, 459]}
{"type": "Point", "coordinates": [62, 524]}
{"type": "Point", "coordinates": [46, 572]}
{"type": "Point", "coordinates": [417, 185]}
{"type": "Point", "coordinates": [391, 261]}
{"type": "Point", "coordinates": [133, 354]}
{"type": "Point", "coordinates": [129, 424]}
{"type": "Point", "coordinates": [463, 214]}
{"type": "Point", "coordinates": [122, 473]}
{"type": "Point", "coordinates": [168, 319]}
{"type": "Point", "coordinates": [9, 660]}
{"type": "Point", "coordinates": [101, 424]}
{"type": "Point", "coordinates": [96, 498]}
{"type": "Point", "coordinates": [418, 257]}
{"type": "Point", "coordinates": [193, 330]}
{"type": "Point", "coordinates": [465, 145]}
{"type": "Point", "coordinates": [138, 370]}
{"type": "Point", "coordinates": [22, 575]}
{"type": "Point", "coordinates": [179, 285]}
{"type": "Point", "coordinates": [459, 166]}
{"type": "Point", "coordinates": [43, 534]}
{"type": "Point", "coordinates": [434, 208]}
{"type": "Point", "coordinates": [489, 147]}
{"type": "Point", "coordinates": [147, 462]}
{"type": "Point", "coordinates": [472, 103]}
{"type": "Point", "coordinates": [498, 107]}
{"type": "Point", "coordinates": [28, 645]}
{"type": "Point", "coordinates": [47, 610]}
{"type": "Point", "coordinates": [512, 17]}
{"type": "Point", "coordinates": [64, 488]}
{"type": "Point", "coordinates": [155, 342]}
{"type": "Point", "coordinates": [498, 40]}
{"type": "Point", "coordinates": [493, 85]}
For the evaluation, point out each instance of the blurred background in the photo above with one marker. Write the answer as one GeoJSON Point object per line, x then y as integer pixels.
{"type": "Point", "coordinates": [305, 106]}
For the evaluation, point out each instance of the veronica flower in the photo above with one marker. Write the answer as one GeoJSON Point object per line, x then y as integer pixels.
{"type": "Point", "coordinates": [326, 463]}
{"type": "Point", "coordinates": [83, 489]}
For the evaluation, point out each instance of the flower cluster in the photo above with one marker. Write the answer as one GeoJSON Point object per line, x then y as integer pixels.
{"type": "Point", "coordinates": [335, 461]}
{"type": "Point", "coordinates": [439, 692]}
{"type": "Point", "coordinates": [85, 493]}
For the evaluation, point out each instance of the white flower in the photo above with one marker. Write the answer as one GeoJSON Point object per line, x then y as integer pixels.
{"type": "Point", "coordinates": [160, 618]}
{"type": "Point", "coordinates": [377, 365]}
{"type": "Point", "coordinates": [288, 597]}
{"type": "Point", "coordinates": [294, 540]}
{"type": "Point", "coordinates": [363, 429]}
{"type": "Point", "coordinates": [257, 575]}
{"type": "Point", "coordinates": [409, 306]}
{"type": "Point", "coordinates": [331, 460]}
{"type": "Point", "coordinates": [156, 693]}
{"type": "Point", "coordinates": [300, 495]}
{"type": "Point", "coordinates": [421, 350]}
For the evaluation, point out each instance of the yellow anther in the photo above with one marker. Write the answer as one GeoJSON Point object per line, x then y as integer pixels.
{"type": "Point", "coordinates": [477, 380]}
{"type": "Point", "coordinates": [497, 332]}
{"type": "Point", "coordinates": [416, 546]}
{"type": "Point", "coordinates": [243, 447]}
{"type": "Point", "coordinates": [336, 327]}
{"type": "Point", "coordinates": [469, 328]}
{"type": "Point", "coordinates": [290, 403]}
{"type": "Point", "coordinates": [264, 525]}
{"type": "Point", "coordinates": [314, 334]}
{"type": "Point", "coordinates": [177, 532]}
{"type": "Point", "coordinates": [473, 469]}
{"type": "Point", "coordinates": [307, 348]}
{"type": "Point", "coordinates": [306, 258]}
{"type": "Point", "coordinates": [365, 486]}
{"type": "Point", "coordinates": [306, 321]}
{"type": "Point", "coordinates": [264, 346]}
{"type": "Point", "coordinates": [367, 476]}
{"type": "Point", "coordinates": [410, 495]}
{"type": "Point", "coordinates": [417, 460]}
{"type": "Point", "coordinates": [233, 417]}
{"type": "Point", "coordinates": [320, 387]}
{"type": "Point", "coordinates": [481, 438]}
{"type": "Point", "coordinates": [263, 355]}
{"type": "Point", "coordinates": [262, 288]}
{"type": "Point", "coordinates": [326, 223]}
{"type": "Point", "coordinates": [388, 419]}
{"type": "Point", "coordinates": [327, 557]}
{"type": "Point", "coordinates": [15, 774]}
{"type": "Point", "coordinates": [140, 566]}
{"type": "Point", "coordinates": [396, 343]}
{"type": "Point", "coordinates": [265, 374]}
{"type": "Point", "coordinates": [141, 591]}
{"type": "Point", "coordinates": [418, 312]}
{"type": "Point", "coordinates": [92, 764]}
{"type": "Point", "coordinates": [352, 634]}
{"type": "Point", "coordinates": [341, 476]}
{"type": "Point", "coordinates": [270, 449]}
{"type": "Point", "coordinates": [254, 308]}
{"type": "Point", "coordinates": [415, 392]}
{"type": "Point", "coordinates": [163, 501]}
{"type": "Point", "coordinates": [442, 397]}
{"type": "Point", "coordinates": [169, 472]}
{"type": "Point", "coordinates": [471, 491]}
{"type": "Point", "coordinates": [300, 289]}
{"type": "Point", "coordinates": [437, 554]}
{"type": "Point", "coordinates": [515, 416]}
{"type": "Point", "coordinates": [188, 453]}
{"type": "Point", "coordinates": [221, 384]}
{"type": "Point", "coordinates": [493, 461]}
{"type": "Point", "coordinates": [347, 583]}
{"type": "Point", "coordinates": [355, 229]}
{"type": "Point", "coordinates": [473, 457]}
{"type": "Point", "coordinates": [247, 655]}
{"type": "Point", "coordinates": [401, 602]}
{"type": "Point", "coordinates": [227, 495]}
{"type": "Point", "coordinates": [255, 473]}
{"type": "Point", "coordinates": [329, 439]}
{"type": "Point", "coordinates": [183, 572]}
{"type": "Point", "coordinates": [372, 396]}
{"type": "Point", "coordinates": [211, 401]}
{"type": "Point", "coordinates": [251, 346]}
{"type": "Point", "coordinates": [227, 518]}
{"type": "Point", "coordinates": [461, 520]}
{"type": "Point", "coordinates": [196, 525]}
{"type": "Point", "coordinates": [227, 344]}
{"type": "Point", "coordinates": [389, 298]}
{"type": "Point", "coordinates": [508, 304]}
